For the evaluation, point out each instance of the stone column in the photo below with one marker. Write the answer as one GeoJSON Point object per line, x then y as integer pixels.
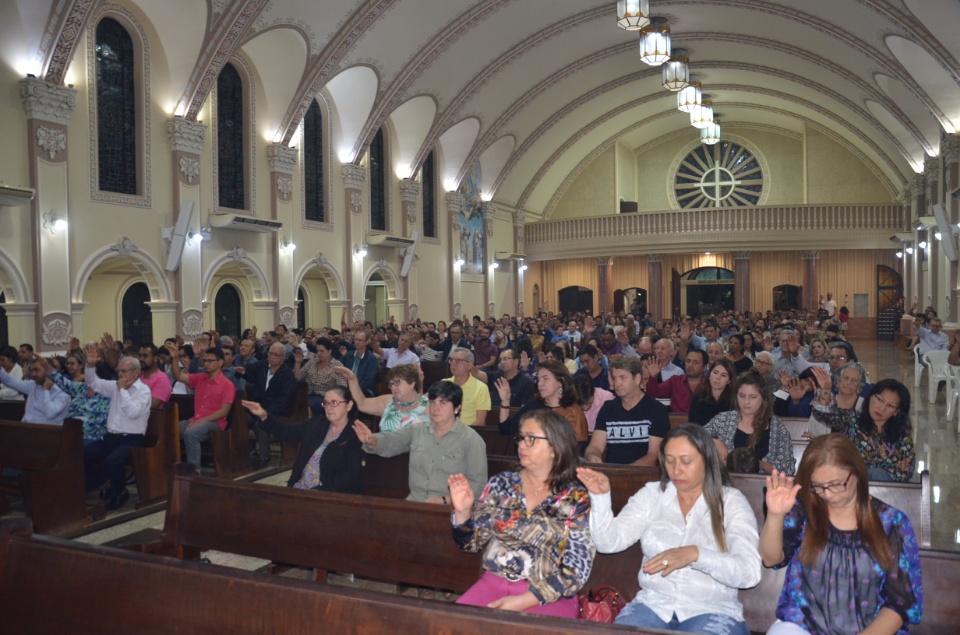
{"type": "Point", "coordinates": [936, 262]}
{"type": "Point", "coordinates": [655, 303]}
{"type": "Point", "coordinates": [918, 188]}
{"type": "Point", "coordinates": [21, 322]}
{"type": "Point", "coordinates": [187, 139]}
{"type": "Point", "coordinates": [950, 153]}
{"type": "Point", "coordinates": [455, 202]}
{"type": "Point", "coordinates": [811, 291]}
{"type": "Point", "coordinates": [49, 108]}
{"type": "Point", "coordinates": [741, 284]}
{"type": "Point", "coordinates": [354, 178]}
{"type": "Point", "coordinates": [282, 162]}
{"type": "Point", "coordinates": [489, 211]}
{"type": "Point", "coordinates": [164, 315]}
{"type": "Point", "coordinates": [519, 219]}
{"type": "Point", "coordinates": [409, 197]}
{"type": "Point", "coordinates": [604, 277]}
{"type": "Point", "coordinates": [906, 259]}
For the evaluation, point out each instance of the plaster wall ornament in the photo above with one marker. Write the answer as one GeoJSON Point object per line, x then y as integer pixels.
{"type": "Point", "coordinates": [189, 168]}
{"type": "Point", "coordinates": [192, 325]}
{"type": "Point", "coordinates": [654, 257]}
{"type": "Point", "coordinates": [491, 309]}
{"type": "Point", "coordinates": [489, 210]}
{"type": "Point", "coordinates": [56, 332]}
{"type": "Point", "coordinates": [354, 176]}
{"type": "Point", "coordinates": [918, 184]}
{"type": "Point", "coordinates": [931, 167]}
{"type": "Point", "coordinates": [357, 313]}
{"type": "Point", "coordinates": [52, 141]}
{"type": "Point", "coordinates": [382, 264]}
{"type": "Point", "coordinates": [287, 318]}
{"type": "Point", "coordinates": [280, 158]}
{"type": "Point", "coordinates": [457, 311]}
{"type": "Point", "coordinates": [409, 191]}
{"type": "Point", "coordinates": [186, 136]}
{"type": "Point", "coordinates": [47, 102]}
{"type": "Point", "coordinates": [237, 254]}
{"type": "Point", "coordinates": [413, 312]}
{"type": "Point", "coordinates": [321, 260]}
{"type": "Point", "coordinates": [285, 187]}
{"type": "Point", "coordinates": [603, 262]}
{"type": "Point", "coordinates": [455, 202]}
{"type": "Point", "coordinates": [519, 219]}
{"type": "Point", "coordinates": [904, 197]}
{"type": "Point", "coordinates": [356, 202]}
{"type": "Point", "coordinates": [742, 255]}
{"type": "Point", "coordinates": [950, 149]}
{"type": "Point", "coordinates": [125, 247]}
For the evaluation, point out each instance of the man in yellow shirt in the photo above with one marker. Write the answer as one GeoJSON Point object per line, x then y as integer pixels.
{"type": "Point", "coordinates": [476, 395]}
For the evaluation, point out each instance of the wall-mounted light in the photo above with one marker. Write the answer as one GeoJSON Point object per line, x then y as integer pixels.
{"type": "Point", "coordinates": [936, 235]}
{"type": "Point", "coordinates": [286, 247]}
{"type": "Point", "coordinates": [195, 238]}
{"type": "Point", "coordinates": [909, 251]}
{"type": "Point", "coordinates": [458, 263]}
{"type": "Point", "coordinates": [899, 254]}
{"type": "Point", "coordinates": [523, 267]}
{"type": "Point", "coordinates": [360, 251]}
{"type": "Point", "coordinates": [54, 223]}
{"type": "Point", "coordinates": [923, 244]}
{"type": "Point", "coordinates": [494, 264]}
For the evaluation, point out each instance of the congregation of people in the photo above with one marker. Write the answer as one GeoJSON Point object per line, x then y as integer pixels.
{"type": "Point", "coordinates": [697, 398]}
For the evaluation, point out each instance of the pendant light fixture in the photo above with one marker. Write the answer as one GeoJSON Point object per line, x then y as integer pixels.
{"type": "Point", "coordinates": [633, 15]}
{"type": "Point", "coordinates": [702, 116]}
{"type": "Point", "coordinates": [676, 71]}
{"type": "Point", "coordinates": [655, 42]}
{"type": "Point", "coordinates": [710, 134]}
{"type": "Point", "coordinates": [690, 96]}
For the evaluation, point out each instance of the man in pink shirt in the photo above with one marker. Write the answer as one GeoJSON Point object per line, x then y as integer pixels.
{"type": "Point", "coordinates": [150, 375]}
{"type": "Point", "coordinates": [213, 399]}
{"type": "Point", "coordinates": [679, 389]}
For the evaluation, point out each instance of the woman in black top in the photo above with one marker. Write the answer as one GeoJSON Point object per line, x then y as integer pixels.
{"type": "Point", "coordinates": [737, 354]}
{"type": "Point", "coordinates": [714, 395]}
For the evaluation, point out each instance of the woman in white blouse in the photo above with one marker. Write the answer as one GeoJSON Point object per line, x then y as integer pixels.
{"type": "Point", "coordinates": [699, 538]}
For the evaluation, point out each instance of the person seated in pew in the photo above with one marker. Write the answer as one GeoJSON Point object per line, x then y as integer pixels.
{"type": "Point", "coordinates": [522, 390]}
{"type": "Point", "coordinates": [130, 401]}
{"type": "Point", "coordinates": [698, 534]}
{"type": "Point", "coordinates": [438, 448]}
{"type": "Point", "coordinates": [330, 456]}
{"type": "Point", "coordinates": [591, 400]}
{"type": "Point", "coordinates": [272, 387]}
{"type": "Point", "coordinates": [318, 372]}
{"type": "Point", "coordinates": [46, 402]}
{"type": "Point", "coordinates": [795, 396]}
{"type": "Point", "coordinates": [476, 395]}
{"type": "Point", "coordinates": [213, 399]}
{"type": "Point", "coordinates": [752, 424]}
{"type": "Point", "coordinates": [152, 376]}
{"type": "Point", "coordinates": [715, 395]}
{"type": "Point", "coordinates": [533, 524]}
{"type": "Point", "coordinates": [555, 390]}
{"type": "Point", "coordinates": [843, 409]}
{"type": "Point", "coordinates": [853, 564]}
{"type": "Point", "coordinates": [881, 430]}
{"type": "Point", "coordinates": [86, 403]}
{"type": "Point", "coordinates": [404, 406]}
{"type": "Point", "coordinates": [679, 389]}
{"type": "Point", "coordinates": [8, 362]}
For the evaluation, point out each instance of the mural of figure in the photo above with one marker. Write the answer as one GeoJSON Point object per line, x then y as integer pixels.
{"type": "Point", "coordinates": [471, 221]}
{"type": "Point", "coordinates": [478, 249]}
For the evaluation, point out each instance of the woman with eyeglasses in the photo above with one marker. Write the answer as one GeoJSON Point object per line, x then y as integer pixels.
{"type": "Point", "coordinates": [319, 372]}
{"type": "Point", "coordinates": [404, 406]}
{"type": "Point", "coordinates": [852, 561]}
{"type": "Point", "coordinates": [879, 428]}
{"type": "Point", "coordinates": [533, 524]}
{"type": "Point", "coordinates": [698, 534]}
{"type": "Point", "coordinates": [555, 390]}
{"type": "Point", "coordinates": [439, 447]}
{"type": "Point", "coordinates": [330, 456]}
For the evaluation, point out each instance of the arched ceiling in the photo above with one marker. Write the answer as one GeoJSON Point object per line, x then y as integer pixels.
{"type": "Point", "coordinates": [534, 90]}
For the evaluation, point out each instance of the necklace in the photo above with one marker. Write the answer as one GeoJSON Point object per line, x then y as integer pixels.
{"type": "Point", "coordinates": [405, 404]}
{"type": "Point", "coordinates": [536, 490]}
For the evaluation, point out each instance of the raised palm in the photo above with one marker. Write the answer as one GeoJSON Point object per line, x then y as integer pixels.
{"type": "Point", "coordinates": [781, 493]}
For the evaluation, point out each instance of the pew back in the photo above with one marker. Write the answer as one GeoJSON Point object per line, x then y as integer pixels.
{"type": "Point", "coordinates": [153, 462]}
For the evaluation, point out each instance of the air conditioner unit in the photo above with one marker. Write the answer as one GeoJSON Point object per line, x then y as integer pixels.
{"type": "Point", "coordinates": [13, 196]}
{"type": "Point", "coordinates": [386, 240]}
{"type": "Point", "coordinates": [244, 223]}
{"type": "Point", "coordinates": [506, 255]}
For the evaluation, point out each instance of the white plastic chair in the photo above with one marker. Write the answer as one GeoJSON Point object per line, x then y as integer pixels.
{"type": "Point", "coordinates": [953, 398]}
{"type": "Point", "coordinates": [939, 371]}
{"type": "Point", "coordinates": [918, 367]}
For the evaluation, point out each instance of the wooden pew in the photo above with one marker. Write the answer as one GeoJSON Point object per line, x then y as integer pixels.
{"type": "Point", "coordinates": [231, 447]}
{"type": "Point", "coordinates": [434, 372]}
{"type": "Point", "coordinates": [52, 480]}
{"type": "Point", "coordinates": [153, 462]}
{"type": "Point", "coordinates": [12, 410]}
{"type": "Point", "coordinates": [156, 596]}
{"type": "Point", "coordinates": [497, 444]}
{"type": "Point", "coordinates": [298, 410]}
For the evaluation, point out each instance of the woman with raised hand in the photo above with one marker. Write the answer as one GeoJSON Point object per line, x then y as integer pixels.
{"type": "Point", "coordinates": [533, 524]}
{"type": "Point", "coordinates": [698, 534]}
{"type": "Point", "coordinates": [405, 405]}
{"type": "Point", "coordinates": [853, 564]}
{"type": "Point", "coordinates": [555, 390]}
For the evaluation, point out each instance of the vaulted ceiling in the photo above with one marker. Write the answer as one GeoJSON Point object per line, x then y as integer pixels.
{"type": "Point", "coordinates": [536, 89]}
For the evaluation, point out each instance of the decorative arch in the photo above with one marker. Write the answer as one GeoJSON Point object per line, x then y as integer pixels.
{"type": "Point", "coordinates": [329, 274]}
{"type": "Point", "coordinates": [390, 277]}
{"type": "Point", "coordinates": [12, 282]}
{"type": "Point", "coordinates": [143, 262]}
{"type": "Point", "coordinates": [251, 270]}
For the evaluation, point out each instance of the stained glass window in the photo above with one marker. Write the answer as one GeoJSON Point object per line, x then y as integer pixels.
{"type": "Point", "coordinates": [313, 163]}
{"type": "Point", "coordinates": [725, 174]}
{"type": "Point", "coordinates": [230, 146]}
{"type": "Point", "coordinates": [378, 184]}
{"type": "Point", "coordinates": [116, 109]}
{"type": "Point", "coordinates": [429, 189]}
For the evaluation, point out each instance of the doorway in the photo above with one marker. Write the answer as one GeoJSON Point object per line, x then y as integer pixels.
{"type": "Point", "coordinates": [136, 315]}
{"type": "Point", "coordinates": [227, 312]}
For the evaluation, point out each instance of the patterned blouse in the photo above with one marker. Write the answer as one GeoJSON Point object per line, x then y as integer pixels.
{"type": "Point", "coordinates": [320, 381]}
{"type": "Point", "coordinates": [780, 454]}
{"type": "Point", "coordinates": [91, 409]}
{"type": "Point", "coordinates": [392, 419]}
{"type": "Point", "coordinates": [843, 592]}
{"type": "Point", "coordinates": [549, 547]}
{"type": "Point", "coordinates": [896, 459]}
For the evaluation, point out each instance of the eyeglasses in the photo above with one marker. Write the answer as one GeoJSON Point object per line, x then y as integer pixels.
{"type": "Point", "coordinates": [838, 358]}
{"type": "Point", "coordinates": [761, 362]}
{"type": "Point", "coordinates": [454, 360]}
{"type": "Point", "coordinates": [527, 439]}
{"type": "Point", "coordinates": [396, 383]}
{"type": "Point", "coordinates": [886, 404]}
{"type": "Point", "coordinates": [833, 488]}
{"type": "Point", "coordinates": [332, 403]}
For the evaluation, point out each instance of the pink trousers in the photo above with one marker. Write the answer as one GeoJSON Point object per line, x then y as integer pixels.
{"type": "Point", "coordinates": [492, 587]}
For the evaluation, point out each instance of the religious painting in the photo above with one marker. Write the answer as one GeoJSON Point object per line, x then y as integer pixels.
{"type": "Point", "coordinates": [472, 237]}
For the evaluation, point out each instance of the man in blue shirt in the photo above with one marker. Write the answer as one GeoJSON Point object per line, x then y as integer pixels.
{"type": "Point", "coordinates": [46, 403]}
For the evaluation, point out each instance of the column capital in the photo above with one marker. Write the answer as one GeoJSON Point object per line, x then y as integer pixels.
{"type": "Point", "coordinates": [950, 149]}
{"type": "Point", "coordinates": [742, 255]}
{"type": "Point", "coordinates": [409, 191]}
{"type": "Point", "coordinates": [810, 255]}
{"type": "Point", "coordinates": [519, 218]}
{"type": "Point", "coordinates": [488, 209]}
{"type": "Point", "coordinates": [918, 183]}
{"type": "Point", "coordinates": [186, 136]}
{"type": "Point", "coordinates": [47, 102]}
{"type": "Point", "coordinates": [354, 176]}
{"type": "Point", "coordinates": [282, 159]}
{"type": "Point", "coordinates": [604, 261]}
{"type": "Point", "coordinates": [931, 166]}
{"type": "Point", "coordinates": [654, 258]}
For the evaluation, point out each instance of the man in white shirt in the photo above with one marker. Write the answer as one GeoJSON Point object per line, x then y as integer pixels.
{"type": "Point", "coordinates": [130, 401]}
{"type": "Point", "coordinates": [8, 362]}
{"type": "Point", "coordinates": [829, 305]}
{"type": "Point", "coordinates": [402, 354]}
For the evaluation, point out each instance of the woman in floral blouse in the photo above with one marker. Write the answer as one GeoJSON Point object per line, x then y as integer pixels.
{"type": "Point", "coordinates": [87, 405]}
{"type": "Point", "coordinates": [534, 523]}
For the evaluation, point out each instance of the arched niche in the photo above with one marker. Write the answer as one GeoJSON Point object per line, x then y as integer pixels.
{"type": "Point", "coordinates": [706, 291]}
{"type": "Point", "coordinates": [575, 299]}
{"type": "Point", "coordinates": [323, 292]}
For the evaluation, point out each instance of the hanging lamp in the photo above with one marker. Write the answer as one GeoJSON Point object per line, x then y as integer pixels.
{"type": "Point", "coordinates": [710, 134]}
{"type": "Point", "coordinates": [633, 15]}
{"type": "Point", "coordinates": [702, 116]}
{"type": "Point", "coordinates": [655, 42]}
{"type": "Point", "coordinates": [675, 72]}
{"type": "Point", "coordinates": [690, 96]}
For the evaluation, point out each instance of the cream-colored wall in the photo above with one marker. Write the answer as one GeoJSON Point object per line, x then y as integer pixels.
{"type": "Point", "coordinates": [835, 176]}
{"type": "Point", "coordinates": [653, 168]}
{"type": "Point", "coordinates": [592, 193]}
{"type": "Point", "coordinates": [626, 175]}
{"type": "Point", "coordinates": [15, 222]}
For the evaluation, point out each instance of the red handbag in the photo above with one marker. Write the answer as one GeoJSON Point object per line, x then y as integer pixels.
{"type": "Point", "coordinates": [602, 604]}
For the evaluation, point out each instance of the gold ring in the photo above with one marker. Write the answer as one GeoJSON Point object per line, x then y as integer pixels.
{"type": "Point", "coordinates": [665, 562]}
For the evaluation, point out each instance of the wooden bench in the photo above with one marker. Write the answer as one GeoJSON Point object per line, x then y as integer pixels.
{"type": "Point", "coordinates": [298, 410]}
{"type": "Point", "coordinates": [152, 463]}
{"type": "Point", "coordinates": [231, 447]}
{"type": "Point", "coordinates": [52, 478]}
{"type": "Point", "coordinates": [102, 590]}
{"type": "Point", "coordinates": [12, 410]}
{"type": "Point", "coordinates": [434, 372]}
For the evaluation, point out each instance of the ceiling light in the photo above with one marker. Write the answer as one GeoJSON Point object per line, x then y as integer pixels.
{"type": "Point", "coordinates": [702, 116]}
{"type": "Point", "coordinates": [710, 134]}
{"type": "Point", "coordinates": [909, 251]}
{"type": "Point", "coordinates": [655, 42]}
{"type": "Point", "coordinates": [459, 262]}
{"type": "Point", "coordinates": [633, 15]}
{"type": "Point", "coordinates": [690, 96]}
{"type": "Point", "coordinates": [899, 254]}
{"type": "Point", "coordinates": [923, 244]}
{"type": "Point", "coordinates": [675, 73]}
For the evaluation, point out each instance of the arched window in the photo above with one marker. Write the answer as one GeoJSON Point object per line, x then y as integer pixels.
{"type": "Point", "coordinates": [4, 327]}
{"type": "Point", "coordinates": [137, 317]}
{"type": "Point", "coordinates": [116, 109]}
{"type": "Point", "coordinates": [314, 208]}
{"type": "Point", "coordinates": [429, 190]}
{"type": "Point", "coordinates": [301, 310]}
{"type": "Point", "coordinates": [230, 142]}
{"type": "Point", "coordinates": [227, 310]}
{"type": "Point", "coordinates": [378, 184]}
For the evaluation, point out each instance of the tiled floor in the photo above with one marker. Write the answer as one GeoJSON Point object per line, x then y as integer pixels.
{"type": "Point", "coordinates": [937, 446]}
